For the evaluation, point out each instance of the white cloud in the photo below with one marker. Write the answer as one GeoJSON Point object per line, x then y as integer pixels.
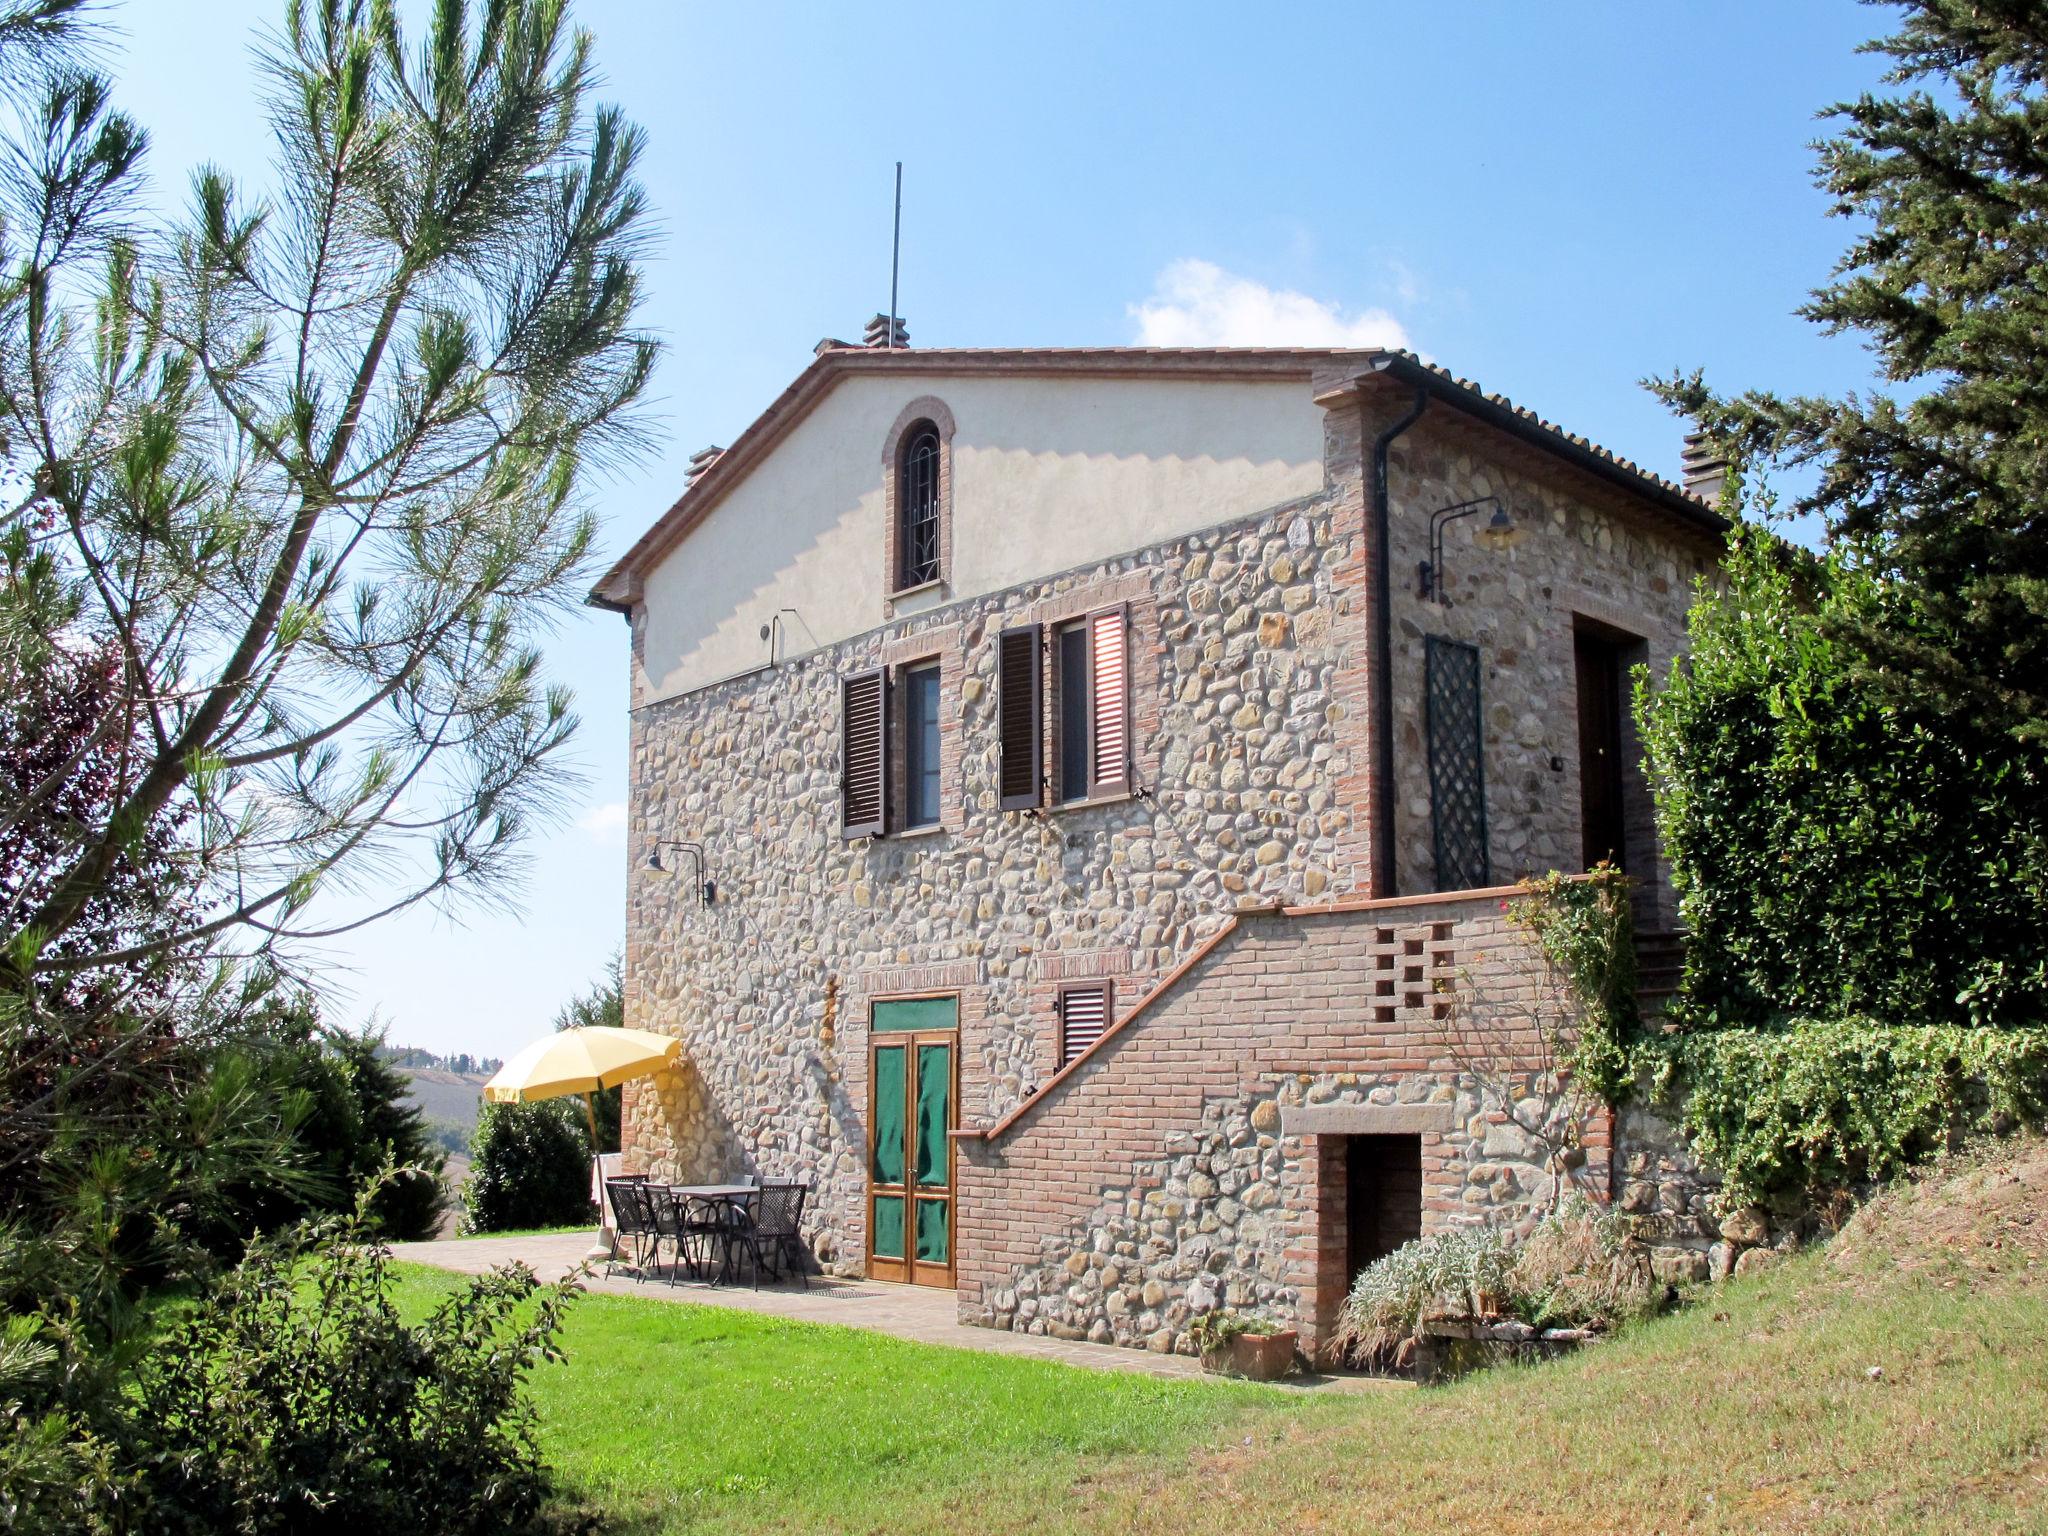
{"type": "Point", "coordinates": [605, 823]}
{"type": "Point", "coordinates": [1198, 304]}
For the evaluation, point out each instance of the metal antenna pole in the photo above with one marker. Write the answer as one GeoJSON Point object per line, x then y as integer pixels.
{"type": "Point", "coordinates": [895, 254]}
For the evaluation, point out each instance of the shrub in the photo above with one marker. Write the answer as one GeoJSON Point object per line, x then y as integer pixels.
{"type": "Point", "coordinates": [362, 1119]}
{"type": "Point", "coordinates": [1837, 852]}
{"type": "Point", "coordinates": [1789, 1115]}
{"type": "Point", "coordinates": [293, 1398]}
{"type": "Point", "coordinates": [1392, 1295]}
{"type": "Point", "coordinates": [1586, 930]}
{"type": "Point", "coordinates": [1581, 1266]}
{"type": "Point", "coordinates": [529, 1167]}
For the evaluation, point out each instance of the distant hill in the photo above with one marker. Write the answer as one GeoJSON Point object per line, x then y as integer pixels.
{"type": "Point", "coordinates": [462, 1063]}
{"type": "Point", "coordinates": [449, 1097]}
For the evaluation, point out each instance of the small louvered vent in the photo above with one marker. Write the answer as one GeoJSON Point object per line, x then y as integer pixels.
{"type": "Point", "coordinates": [1084, 1015]}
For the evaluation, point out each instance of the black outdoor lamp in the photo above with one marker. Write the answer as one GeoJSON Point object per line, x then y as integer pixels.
{"type": "Point", "coordinates": [1500, 532]}
{"type": "Point", "coordinates": [707, 893]}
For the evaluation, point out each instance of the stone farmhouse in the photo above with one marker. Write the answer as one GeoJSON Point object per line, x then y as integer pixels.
{"type": "Point", "coordinates": [1073, 798]}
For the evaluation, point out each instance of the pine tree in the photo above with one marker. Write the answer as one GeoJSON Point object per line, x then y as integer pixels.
{"type": "Point", "coordinates": [1943, 488]}
{"type": "Point", "coordinates": [1853, 769]}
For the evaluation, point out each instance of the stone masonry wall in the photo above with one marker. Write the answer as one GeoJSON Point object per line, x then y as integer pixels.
{"type": "Point", "coordinates": [1582, 556]}
{"type": "Point", "coordinates": [1252, 774]}
{"type": "Point", "coordinates": [1236, 636]}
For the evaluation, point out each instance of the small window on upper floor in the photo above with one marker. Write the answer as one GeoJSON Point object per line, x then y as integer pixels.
{"type": "Point", "coordinates": [917, 506]}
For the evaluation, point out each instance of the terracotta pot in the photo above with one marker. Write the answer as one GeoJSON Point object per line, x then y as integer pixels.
{"type": "Point", "coordinates": [1263, 1356]}
{"type": "Point", "coordinates": [1217, 1361]}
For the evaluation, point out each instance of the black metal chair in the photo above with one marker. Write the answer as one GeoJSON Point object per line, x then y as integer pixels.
{"type": "Point", "coordinates": [634, 1213]}
{"type": "Point", "coordinates": [702, 1229]}
{"type": "Point", "coordinates": [771, 1234]}
{"type": "Point", "coordinates": [666, 1215]}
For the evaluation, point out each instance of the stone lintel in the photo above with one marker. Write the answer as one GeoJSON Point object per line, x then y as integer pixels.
{"type": "Point", "coordinates": [1366, 1119]}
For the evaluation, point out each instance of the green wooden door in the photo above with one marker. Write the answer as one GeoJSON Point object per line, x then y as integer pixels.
{"type": "Point", "coordinates": [912, 1106]}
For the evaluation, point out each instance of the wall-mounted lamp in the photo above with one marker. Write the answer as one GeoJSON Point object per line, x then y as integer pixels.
{"type": "Point", "coordinates": [1499, 533]}
{"type": "Point", "coordinates": [707, 893]}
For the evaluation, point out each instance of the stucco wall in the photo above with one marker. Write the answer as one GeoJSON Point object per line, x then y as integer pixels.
{"type": "Point", "coordinates": [1047, 473]}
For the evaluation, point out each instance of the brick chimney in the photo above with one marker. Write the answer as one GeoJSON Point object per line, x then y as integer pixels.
{"type": "Point", "coordinates": [1703, 467]}
{"type": "Point", "coordinates": [877, 333]}
{"type": "Point", "coordinates": [700, 461]}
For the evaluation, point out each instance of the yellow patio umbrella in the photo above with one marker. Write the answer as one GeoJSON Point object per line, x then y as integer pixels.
{"type": "Point", "coordinates": [581, 1061]}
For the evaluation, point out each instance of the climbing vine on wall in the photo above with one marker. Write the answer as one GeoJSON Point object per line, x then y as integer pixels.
{"type": "Point", "coordinates": [1584, 927]}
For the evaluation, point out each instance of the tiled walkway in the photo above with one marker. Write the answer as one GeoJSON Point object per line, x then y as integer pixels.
{"type": "Point", "coordinates": [903, 1311]}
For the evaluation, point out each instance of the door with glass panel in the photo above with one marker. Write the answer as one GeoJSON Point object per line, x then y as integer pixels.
{"type": "Point", "coordinates": [913, 1097]}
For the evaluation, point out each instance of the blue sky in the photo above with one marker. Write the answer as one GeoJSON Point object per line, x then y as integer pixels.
{"type": "Point", "coordinates": [1554, 199]}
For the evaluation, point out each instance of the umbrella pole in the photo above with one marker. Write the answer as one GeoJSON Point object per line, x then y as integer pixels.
{"type": "Point", "coordinates": [607, 1245]}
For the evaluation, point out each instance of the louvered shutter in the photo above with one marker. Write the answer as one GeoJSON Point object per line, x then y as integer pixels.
{"type": "Point", "coordinates": [1109, 665]}
{"type": "Point", "coordinates": [1020, 714]}
{"type": "Point", "coordinates": [1084, 1015]}
{"type": "Point", "coordinates": [863, 754]}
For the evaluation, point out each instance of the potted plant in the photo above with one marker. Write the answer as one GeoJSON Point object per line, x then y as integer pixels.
{"type": "Point", "coordinates": [1213, 1333]}
{"type": "Point", "coordinates": [1236, 1345]}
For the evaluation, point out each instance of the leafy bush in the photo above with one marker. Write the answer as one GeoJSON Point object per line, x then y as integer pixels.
{"type": "Point", "coordinates": [357, 1118]}
{"type": "Point", "coordinates": [293, 1398]}
{"type": "Point", "coordinates": [1791, 1115]}
{"type": "Point", "coordinates": [1392, 1295]}
{"type": "Point", "coordinates": [1837, 852]}
{"type": "Point", "coordinates": [1581, 1266]}
{"type": "Point", "coordinates": [529, 1167]}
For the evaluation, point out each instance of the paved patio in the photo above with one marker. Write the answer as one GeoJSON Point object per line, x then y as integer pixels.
{"type": "Point", "coordinates": [903, 1311]}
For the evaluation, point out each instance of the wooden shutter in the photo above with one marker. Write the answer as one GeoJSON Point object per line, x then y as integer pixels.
{"type": "Point", "coordinates": [864, 754]}
{"type": "Point", "coordinates": [1109, 667]}
{"type": "Point", "coordinates": [1084, 1015]}
{"type": "Point", "coordinates": [1020, 714]}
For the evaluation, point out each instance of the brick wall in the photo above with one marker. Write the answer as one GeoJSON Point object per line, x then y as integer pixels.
{"type": "Point", "coordinates": [1188, 1160]}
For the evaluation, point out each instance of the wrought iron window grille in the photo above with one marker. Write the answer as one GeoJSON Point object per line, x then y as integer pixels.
{"type": "Point", "coordinates": [1457, 765]}
{"type": "Point", "coordinates": [917, 489]}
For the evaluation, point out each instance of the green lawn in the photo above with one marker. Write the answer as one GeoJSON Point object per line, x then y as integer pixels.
{"type": "Point", "coordinates": [671, 1417]}
{"type": "Point", "coordinates": [1753, 1411]}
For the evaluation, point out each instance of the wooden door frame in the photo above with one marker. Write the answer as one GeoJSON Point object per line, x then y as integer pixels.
{"type": "Point", "coordinates": [910, 1269]}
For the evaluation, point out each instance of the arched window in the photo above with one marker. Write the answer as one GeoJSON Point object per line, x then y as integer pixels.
{"type": "Point", "coordinates": [917, 506]}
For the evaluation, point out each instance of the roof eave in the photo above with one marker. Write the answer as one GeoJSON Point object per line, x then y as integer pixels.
{"type": "Point", "coordinates": [1506, 418]}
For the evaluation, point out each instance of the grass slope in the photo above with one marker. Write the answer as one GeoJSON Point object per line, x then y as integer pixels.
{"type": "Point", "coordinates": [1754, 1411]}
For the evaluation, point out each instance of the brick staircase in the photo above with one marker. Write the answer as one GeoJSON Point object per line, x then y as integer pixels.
{"type": "Point", "coordinates": [1660, 959]}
